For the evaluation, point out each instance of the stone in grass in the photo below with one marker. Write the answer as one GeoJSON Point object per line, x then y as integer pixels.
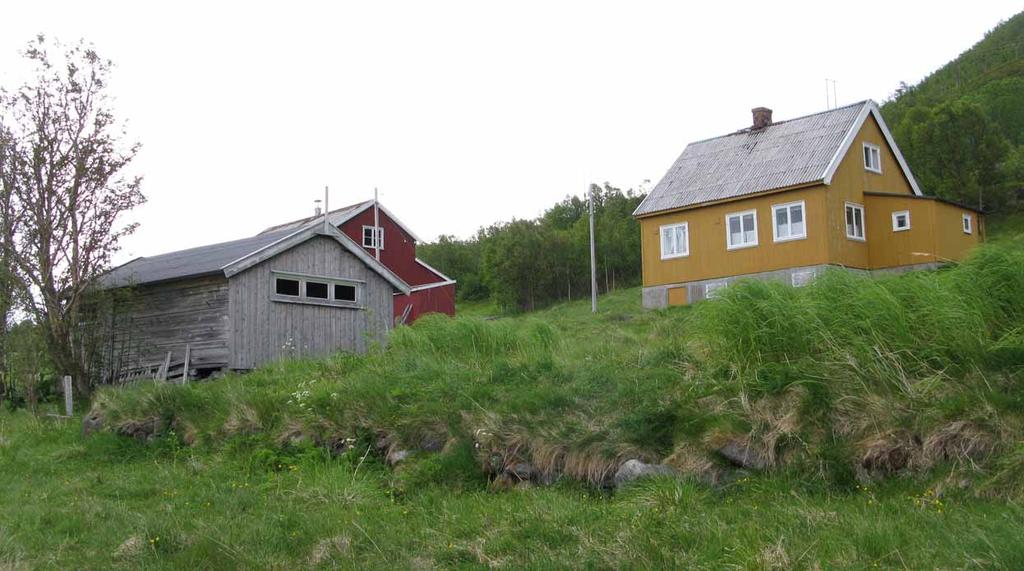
{"type": "Point", "coordinates": [132, 547]}
{"type": "Point", "coordinates": [396, 456]}
{"type": "Point", "coordinates": [634, 469]}
{"type": "Point", "coordinates": [92, 423]}
{"type": "Point", "coordinates": [521, 471]}
{"type": "Point", "coordinates": [740, 454]}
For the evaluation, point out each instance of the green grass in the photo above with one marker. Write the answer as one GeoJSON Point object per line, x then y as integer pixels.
{"type": "Point", "coordinates": [889, 412]}
{"type": "Point", "coordinates": [106, 502]}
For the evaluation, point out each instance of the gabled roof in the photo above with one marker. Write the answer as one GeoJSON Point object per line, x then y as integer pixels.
{"type": "Point", "coordinates": [788, 153]}
{"type": "Point", "coordinates": [193, 262]}
{"type": "Point", "coordinates": [230, 258]}
{"type": "Point", "coordinates": [343, 215]}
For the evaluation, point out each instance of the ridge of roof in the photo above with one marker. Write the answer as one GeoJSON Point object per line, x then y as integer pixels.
{"type": "Point", "coordinates": [783, 122]}
{"type": "Point", "coordinates": [301, 221]}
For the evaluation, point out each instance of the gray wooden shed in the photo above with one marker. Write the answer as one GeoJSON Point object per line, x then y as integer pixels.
{"type": "Point", "coordinates": [237, 305]}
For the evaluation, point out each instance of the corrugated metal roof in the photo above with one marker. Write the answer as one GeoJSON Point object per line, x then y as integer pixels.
{"type": "Point", "coordinates": [787, 153]}
{"type": "Point", "coordinates": [337, 217]}
{"type": "Point", "coordinates": [193, 262]}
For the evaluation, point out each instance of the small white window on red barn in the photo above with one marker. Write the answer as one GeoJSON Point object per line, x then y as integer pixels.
{"type": "Point", "coordinates": [369, 236]}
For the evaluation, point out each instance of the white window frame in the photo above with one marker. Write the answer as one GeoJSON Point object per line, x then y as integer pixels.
{"type": "Point", "coordinates": [800, 278]}
{"type": "Point", "coordinates": [686, 243]}
{"type": "Point", "coordinates": [303, 298]}
{"type": "Point", "coordinates": [863, 222]}
{"type": "Point", "coordinates": [728, 234]}
{"type": "Point", "coordinates": [789, 220]}
{"type": "Point", "coordinates": [712, 289]}
{"type": "Point", "coordinates": [895, 217]}
{"type": "Point", "coordinates": [876, 153]}
{"type": "Point", "coordinates": [380, 237]}
{"type": "Point", "coordinates": [967, 224]}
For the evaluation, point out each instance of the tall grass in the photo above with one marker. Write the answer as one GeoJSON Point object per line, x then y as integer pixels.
{"type": "Point", "coordinates": [850, 376]}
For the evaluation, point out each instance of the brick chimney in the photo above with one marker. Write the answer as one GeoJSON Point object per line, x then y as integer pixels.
{"type": "Point", "coordinates": [762, 117]}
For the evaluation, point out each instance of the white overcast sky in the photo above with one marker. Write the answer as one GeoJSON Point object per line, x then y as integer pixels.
{"type": "Point", "coordinates": [462, 113]}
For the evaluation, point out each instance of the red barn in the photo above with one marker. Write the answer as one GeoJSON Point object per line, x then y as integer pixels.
{"type": "Point", "coordinates": [430, 290]}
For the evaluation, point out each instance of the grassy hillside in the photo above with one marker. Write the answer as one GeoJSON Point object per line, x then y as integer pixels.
{"type": "Point", "coordinates": [881, 422]}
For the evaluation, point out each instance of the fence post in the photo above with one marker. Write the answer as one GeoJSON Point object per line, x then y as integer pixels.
{"type": "Point", "coordinates": [69, 407]}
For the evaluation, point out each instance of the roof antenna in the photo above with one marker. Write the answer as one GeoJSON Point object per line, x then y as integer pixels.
{"type": "Point", "coordinates": [327, 209]}
{"type": "Point", "coordinates": [377, 232]}
{"type": "Point", "coordinates": [831, 101]}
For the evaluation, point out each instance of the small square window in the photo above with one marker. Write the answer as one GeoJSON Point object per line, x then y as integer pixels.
{"type": "Point", "coordinates": [901, 221]}
{"type": "Point", "coordinates": [741, 230]}
{"type": "Point", "coordinates": [967, 224]}
{"type": "Point", "coordinates": [675, 241]}
{"type": "Point", "coordinates": [285, 286]}
{"type": "Point", "coordinates": [854, 221]}
{"type": "Point", "coordinates": [872, 158]}
{"type": "Point", "coordinates": [316, 290]}
{"type": "Point", "coordinates": [343, 292]}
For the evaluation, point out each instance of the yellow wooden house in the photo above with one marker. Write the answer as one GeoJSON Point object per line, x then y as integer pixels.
{"type": "Point", "coordinates": [787, 200]}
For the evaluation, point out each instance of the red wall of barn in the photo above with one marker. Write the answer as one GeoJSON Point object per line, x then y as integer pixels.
{"type": "Point", "coordinates": [439, 299]}
{"type": "Point", "coordinates": [399, 252]}
{"type": "Point", "coordinates": [399, 255]}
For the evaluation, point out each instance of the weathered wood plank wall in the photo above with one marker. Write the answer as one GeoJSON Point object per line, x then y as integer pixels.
{"type": "Point", "coordinates": [156, 319]}
{"type": "Point", "coordinates": [264, 330]}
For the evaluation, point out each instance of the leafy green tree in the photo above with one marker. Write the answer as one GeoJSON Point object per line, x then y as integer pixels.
{"type": "Point", "coordinates": [955, 152]}
{"type": "Point", "coordinates": [459, 259]}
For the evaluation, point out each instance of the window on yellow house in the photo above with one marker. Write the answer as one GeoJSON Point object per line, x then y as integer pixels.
{"type": "Point", "coordinates": [901, 221]}
{"type": "Point", "coordinates": [788, 221]}
{"type": "Point", "coordinates": [675, 241]}
{"type": "Point", "coordinates": [741, 229]}
{"type": "Point", "coordinates": [872, 158]}
{"type": "Point", "coordinates": [854, 221]}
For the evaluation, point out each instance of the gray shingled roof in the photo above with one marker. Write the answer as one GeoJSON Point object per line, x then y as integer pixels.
{"type": "Point", "coordinates": [786, 153]}
{"type": "Point", "coordinates": [194, 262]}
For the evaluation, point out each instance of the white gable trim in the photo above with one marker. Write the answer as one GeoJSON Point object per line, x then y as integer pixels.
{"type": "Point", "coordinates": [350, 214]}
{"type": "Point", "coordinates": [435, 270]}
{"type": "Point", "coordinates": [310, 231]}
{"type": "Point", "coordinates": [870, 108]}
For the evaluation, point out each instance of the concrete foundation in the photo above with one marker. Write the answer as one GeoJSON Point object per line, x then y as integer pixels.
{"type": "Point", "coordinates": [656, 297]}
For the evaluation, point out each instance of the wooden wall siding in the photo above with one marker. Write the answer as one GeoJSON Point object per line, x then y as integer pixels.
{"type": "Point", "coordinates": [161, 318]}
{"type": "Point", "coordinates": [709, 256]}
{"type": "Point", "coordinates": [439, 299]}
{"type": "Point", "coordinates": [950, 241]}
{"type": "Point", "coordinates": [264, 330]}
{"type": "Point", "coordinates": [848, 185]}
{"type": "Point", "coordinates": [399, 252]}
{"type": "Point", "coordinates": [890, 249]}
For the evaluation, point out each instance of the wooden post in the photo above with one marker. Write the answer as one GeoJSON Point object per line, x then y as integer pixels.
{"type": "Point", "coordinates": [593, 257]}
{"type": "Point", "coordinates": [69, 407]}
{"type": "Point", "coordinates": [184, 371]}
{"type": "Point", "coordinates": [161, 375]}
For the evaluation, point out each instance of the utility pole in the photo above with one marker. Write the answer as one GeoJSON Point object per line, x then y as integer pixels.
{"type": "Point", "coordinates": [593, 254]}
